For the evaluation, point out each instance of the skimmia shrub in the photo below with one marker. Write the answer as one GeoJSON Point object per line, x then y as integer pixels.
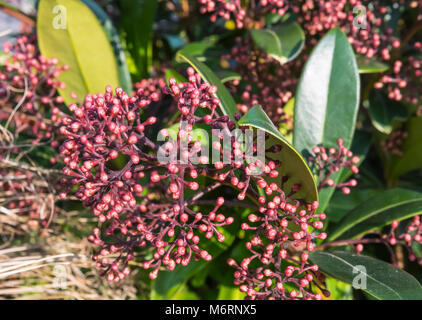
{"type": "Point", "coordinates": [265, 150]}
{"type": "Point", "coordinates": [164, 219]}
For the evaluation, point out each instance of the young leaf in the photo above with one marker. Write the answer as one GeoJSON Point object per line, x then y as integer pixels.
{"type": "Point", "coordinates": [89, 55]}
{"type": "Point", "coordinates": [227, 103]}
{"type": "Point", "coordinates": [283, 42]}
{"type": "Point", "coordinates": [292, 163]}
{"type": "Point", "coordinates": [379, 211]}
{"type": "Point", "coordinates": [113, 37]}
{"type": "Point", "coordinates": [385, 112]}
{"type": "Point", "coordinates": [327, 100]}
{"type": "Point", "coordinates": [370, 65]}
{"type": "Point", "coordinates": [377, 278]}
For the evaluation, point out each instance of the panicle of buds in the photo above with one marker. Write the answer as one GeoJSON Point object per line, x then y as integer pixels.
{"type": "Point", "coordinates": [243, 17]}
{"type": "Point", "coordinates": [27, 199]}
{"type": "Point", "coordinates": [393, 144]}
{"type": "Point", "coordinates": [30, 80]}
{"type": "Point", "coordinates": [328, 161]}
{"type": "Point", "coordinates": [411, 235]}
{"type": "Point", "coordinates": [144, 204]}
{"type": "Point", "coordinates": [284, 231]}
{"type": "Point", "coordinates": [275, 82]}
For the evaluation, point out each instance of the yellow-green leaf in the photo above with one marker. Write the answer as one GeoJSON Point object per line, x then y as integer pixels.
{"type": "Point", "coordinates": [69, 31]}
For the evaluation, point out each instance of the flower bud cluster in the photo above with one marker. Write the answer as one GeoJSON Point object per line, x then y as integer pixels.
{"type": "Point", "coordinates": [28, 91]}
{"type": "Point", "coordinates": [368, 33]}
{"type": "Point", "coordinates": [328, 161]}
{"type": "Point", "coordinates": [410, 237]}
{"type": "Point", "coordinates": [27, 200]}
{"type": "Point", "coordinates": [284, 231]}
{"type": "Point", "coordinates": [144, 204]}
{"type": "Point", "coordinates": [264, 81]}
{"type": "Point", "coordinates": [244, 18]}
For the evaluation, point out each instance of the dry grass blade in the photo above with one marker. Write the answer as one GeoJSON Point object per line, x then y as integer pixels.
{"type": "Point", "coordinates": [58, 269]}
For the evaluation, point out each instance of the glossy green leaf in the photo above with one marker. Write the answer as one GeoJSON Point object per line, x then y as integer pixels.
{"type": "Point", "coordinates": [384, 112]}
{"type": "Point", "coordinates": [383, 280]}
{"type": "Point", "coordinates": [282, 42]}
{"type": "Point", "coordinates": [227, 103]}
{"type": "Point", "coordinates": [379, 211]}
{"type": "Point", "coordinates": [171, 73]}
{"type": "Point", "coordinates": [202, 50]}
{"type": "Point", "coordinates": [327, 100]}
{"type": "Point", "coordinates": [89, 55]}
{"type": "Point", "coordinates": [137, 18]}
{"type": "Point", "coordinates": [293, 165]}
{"type": "Point", "coordinates": [341, 204]}
{"type": "Point", "coordinates": [113, 37]}
{"type": "Point", "coordinates": [412, 150]}
{"type": "Point", "coordinates": [370, 65]}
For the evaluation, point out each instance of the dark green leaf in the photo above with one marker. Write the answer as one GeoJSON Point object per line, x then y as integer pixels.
{"type": "Point", "coordinates": [341, 204]}
{"type": "Point", "coordinates": [327, 100]}
{"type": "Point", "coordinates": [383, 280]}
{"type": "Point", "coordinates": [283, 42]}
{"type": "Point", "coordinates": [385, 113]}
{"type": "Point", "coordinates": [137, 21]}
{"type": "Point", "coordinates": [293, 165]}
{"type": "Point", "coordinates": [202, 50]}
{"type": "Point", "coordinates": [227, 104]}
{"type": "Point", "coordinates": [379, 211]}
{"type": "Point", "coordinates": [89, 55]}
{"type": "Point", "coordinates": [412, 150]}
